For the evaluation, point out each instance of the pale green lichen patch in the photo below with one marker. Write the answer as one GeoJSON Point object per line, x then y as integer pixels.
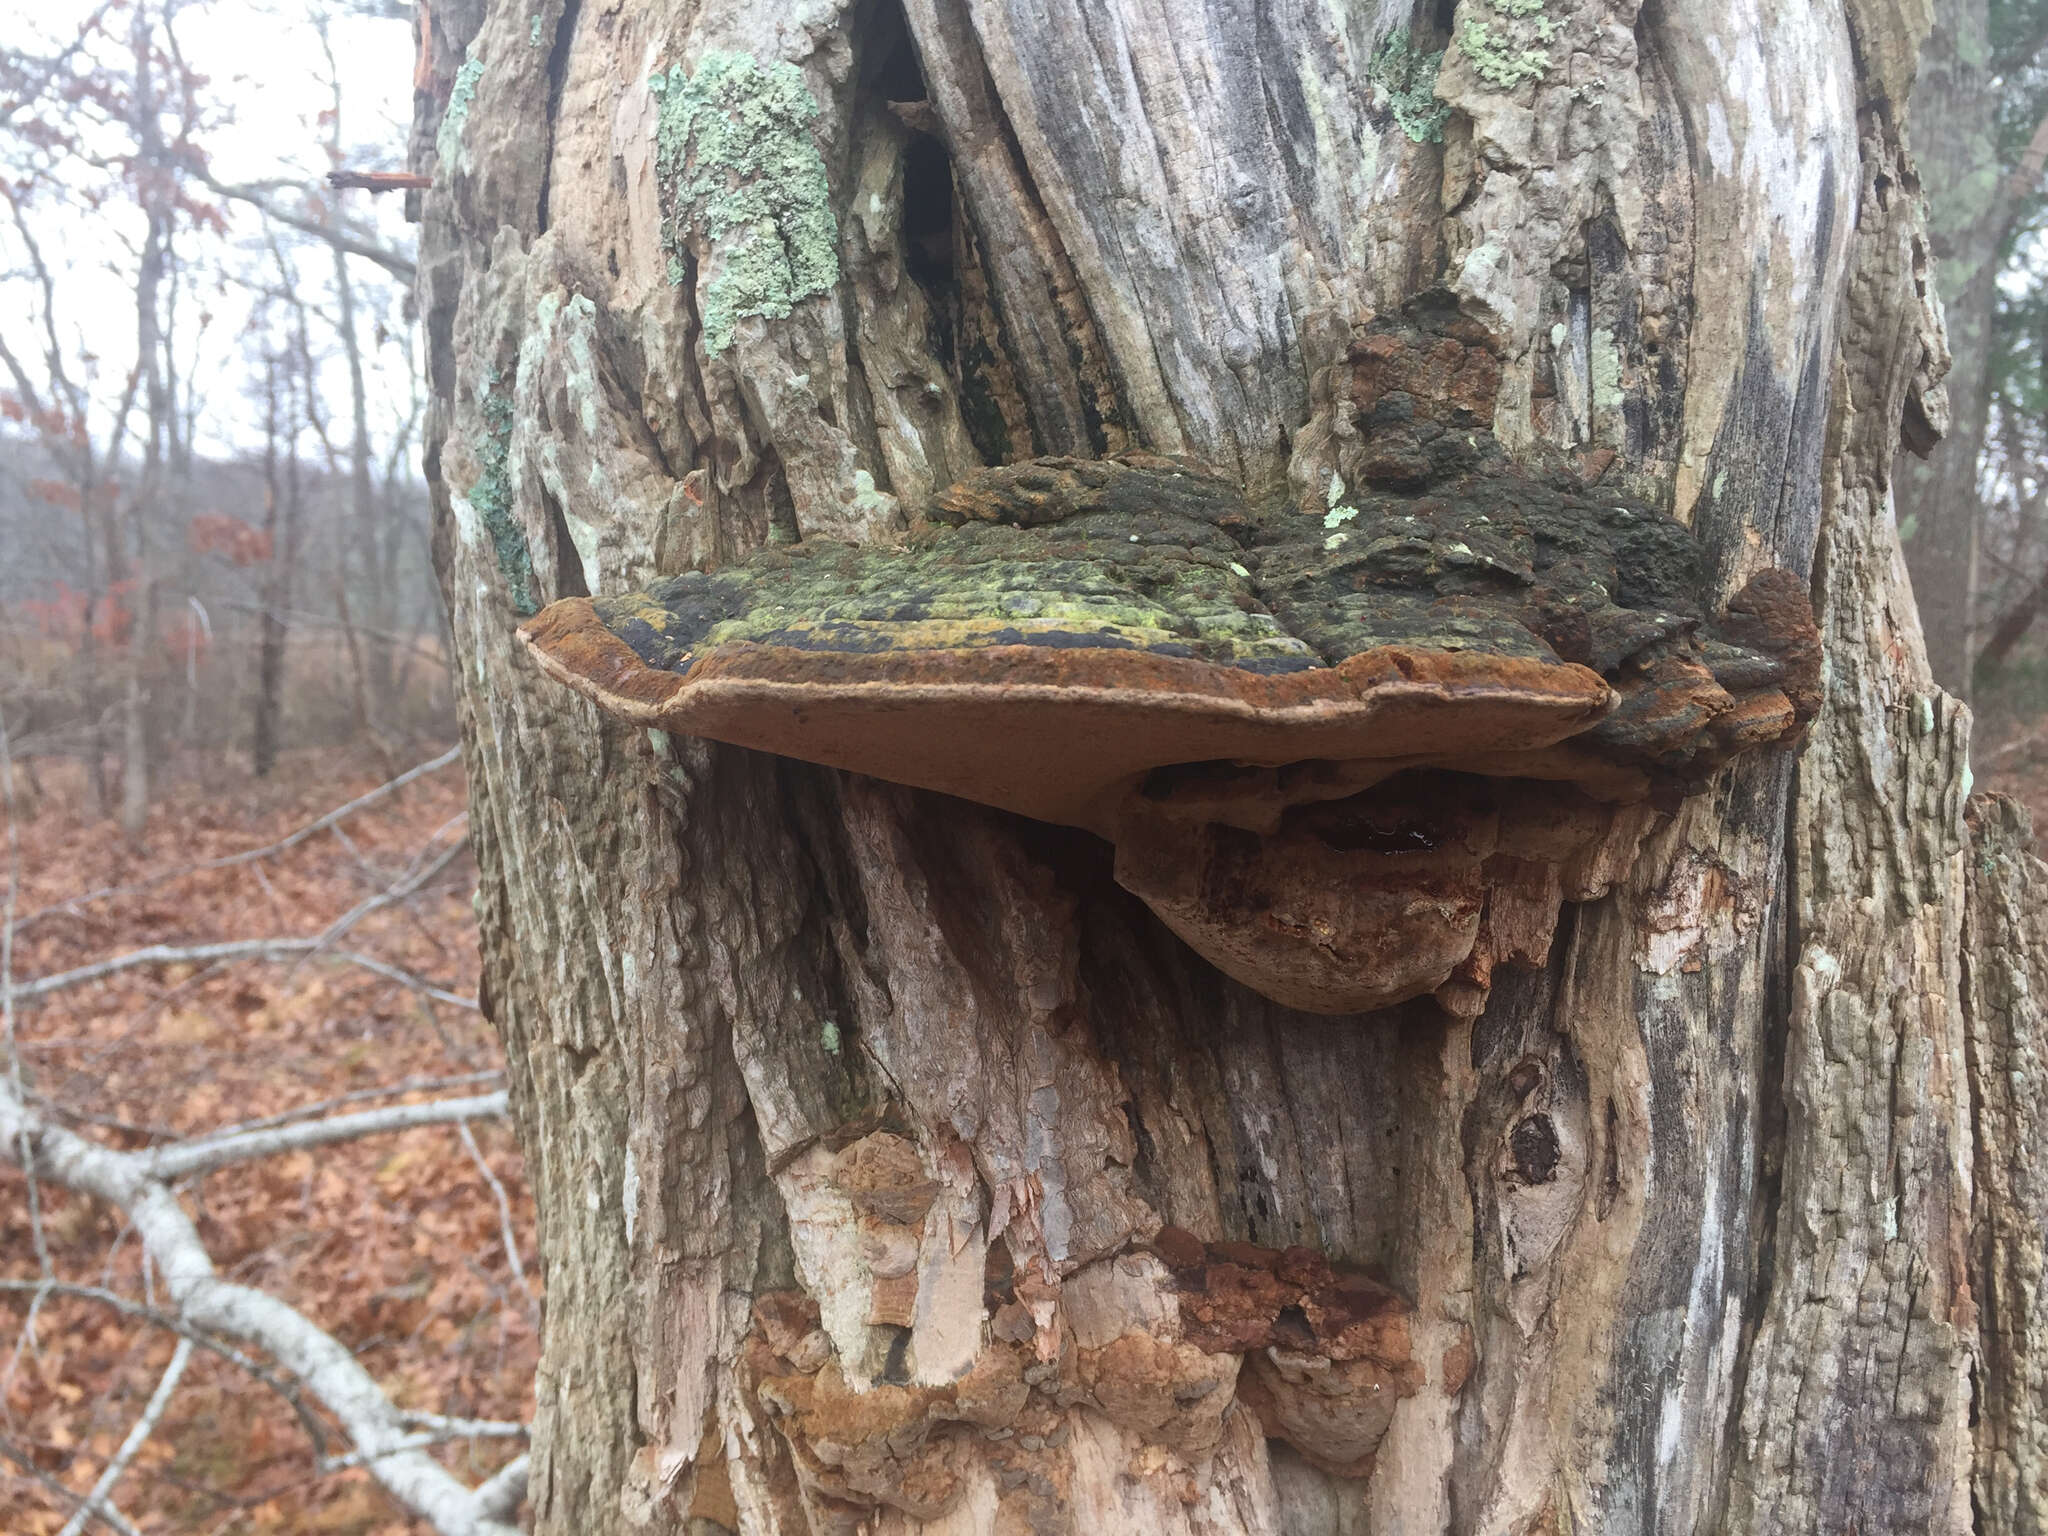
{"type": "Point", "coordinates": [491, 498]}
{"type": "Point", "coordinates": [736, 163]}
{"type": "Point", "coordinates": [448, 142]}
{"type": "Point", "coordinates": [1512, 49]}
{"type": "Point", "coordinates": [1405, 77]}
{"type": "Point", "coordinates": [1606, 364]}
{"type": "Point", "coordinates": [869, 504]}
{"type": "Point", "coordinates": [1498, 59]}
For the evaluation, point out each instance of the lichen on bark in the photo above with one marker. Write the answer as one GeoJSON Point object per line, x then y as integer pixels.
{"type": "Point", "coordinates": [737, 166]}
{"type": "Point", "coordinates": [1501, 60]}
{"type": "Point", "coordinates": [491, 498]}
{"type": "Point", "coordinates": [448, 143]}
{"type": "Point", "coordinates": [1406, 76]}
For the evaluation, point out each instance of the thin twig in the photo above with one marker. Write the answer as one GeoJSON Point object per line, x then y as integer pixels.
{"type": "Point", "coordinates": [420, 1442]}
{"type": "Point", "coordinates": [273, 950]}
{"type": "Point", "coordinates": [508, 1233]}
{"type": "Point", "coordinates": [250, 855]}
{"type": "Point", "coordinates": [315, 1430]}
{"type": "Point", "coordinates": [104, 1122]}
{"type": "Point", "coordinates": [138, 1435]}
{"type": "Point", "coordinates": [185, 1158]}
{"type": "Point", "coordinates": [405, 887]}
{"type": "Point", "coordinates": [100, 1509]}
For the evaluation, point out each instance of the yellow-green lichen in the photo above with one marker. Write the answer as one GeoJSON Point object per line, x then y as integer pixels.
{"type": "Point", "coordinates": [1497, 60]}
{"type": "Point", "coordinates": [736, 163]}
{"type": "Point", "coordinates": [1606, 368]}
{"type": "Point", "coordinates": [491, 498]}
{"type": "Point", "coordinates": [1512, 49]}
{"type": "Point", "coordinates": [1406, 77]}
{"type": "Point", "coordinates": [448, 142]}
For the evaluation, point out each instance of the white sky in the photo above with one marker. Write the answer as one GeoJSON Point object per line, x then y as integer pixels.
{"type": "Point", "coordinates": [268, 79]}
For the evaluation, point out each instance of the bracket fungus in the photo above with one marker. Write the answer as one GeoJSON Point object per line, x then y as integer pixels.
{"type": "Point", "coordinates": [1351, 755]}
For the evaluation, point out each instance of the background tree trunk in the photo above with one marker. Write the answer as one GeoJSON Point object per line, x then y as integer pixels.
{"type": "Point", "coordinates": [1682, 1226]}
{"type": "Point", "coordinates": [1955, 115]}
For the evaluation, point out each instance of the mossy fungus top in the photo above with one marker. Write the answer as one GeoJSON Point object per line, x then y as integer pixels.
{"type": "Point", "coordinates": [1058, 630]}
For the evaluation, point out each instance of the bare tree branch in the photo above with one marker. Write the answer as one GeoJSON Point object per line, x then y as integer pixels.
{"type": "Point", "coordinates": [274, 950]}
{"type": "Point", "coordinates": [407, 885]}
{"type": "Point", "coordinates": [501, 1493]}
{"type": "Point", "coordinates": [21, 1153]}
{"type": "Point", "coordinates": [144, 1427]}
{"type": "Point", "coordinates": [479, 1430]}
{"type": "Point", "coordinates": [509, 1234]}
{"type": "Point", "coordinates": [185, 1158]}
{"type": "Point", "coordinates": [385, 1091]}
{"type": "Point", "coordinates": [101, 1509]}
{"type": "Point", "coordinates": [199, 1296]}
{"type": "Point", "coordinates": [259, 198]}
{"type": "Point", "coordinates": [461, 1429]}
{"type": "Point", "coordinates": [316, 1432]}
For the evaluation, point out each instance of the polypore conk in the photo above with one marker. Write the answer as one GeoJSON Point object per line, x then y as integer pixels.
{"type": "Point", "coordinates": [1346, 778]}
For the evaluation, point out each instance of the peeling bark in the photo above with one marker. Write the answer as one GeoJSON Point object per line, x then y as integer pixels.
{"type": "Point", "coordinates": [900, 1172]}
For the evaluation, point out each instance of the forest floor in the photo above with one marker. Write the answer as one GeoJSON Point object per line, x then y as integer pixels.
{"type": "Point", "coordinates": [2017, 765]}
{"type": "Point", "coordinates": [395, 1243]}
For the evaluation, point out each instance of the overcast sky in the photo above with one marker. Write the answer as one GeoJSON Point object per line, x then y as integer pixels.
{"type": "Point", "coordinates": [269, 80]}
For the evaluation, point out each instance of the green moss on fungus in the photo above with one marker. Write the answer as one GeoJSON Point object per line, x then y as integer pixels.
{"type": "Point", "coordinates": [1406, 76]}
{"type": "Point", "coordinates": [491, 496]}
{"type": "Point", "coordinates": [736, 162]}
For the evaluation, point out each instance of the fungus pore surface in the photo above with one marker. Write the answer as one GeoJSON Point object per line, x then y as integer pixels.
{"type": "Point", "coordinates": [1351, 753]}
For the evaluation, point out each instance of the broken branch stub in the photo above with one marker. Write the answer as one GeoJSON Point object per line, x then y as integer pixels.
{"type": "Point", "coordinates": [1351, 753]}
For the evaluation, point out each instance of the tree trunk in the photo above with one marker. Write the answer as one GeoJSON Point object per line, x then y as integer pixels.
{"type": "Point", "coordinates": [1969, 207]}
{"type": "Point", "coordinates": [280, 535]}
{"type": "Point", "coordinates": [897, 1171]}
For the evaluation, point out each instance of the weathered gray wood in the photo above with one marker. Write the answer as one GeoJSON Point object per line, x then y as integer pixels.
{"type": "Point", "coordinates": [869, 1129]}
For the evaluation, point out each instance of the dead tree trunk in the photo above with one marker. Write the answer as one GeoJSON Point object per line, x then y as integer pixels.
{"type": "Point", "coordinates": [897, 1170]}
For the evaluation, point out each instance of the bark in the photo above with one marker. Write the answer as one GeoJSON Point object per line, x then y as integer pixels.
{"type": "Point", "coordinates": [2004, 976]}
{"type": "Point", "coordinates": [896, 1170]}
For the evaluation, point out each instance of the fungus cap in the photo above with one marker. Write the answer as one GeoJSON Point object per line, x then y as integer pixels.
{"type": "Point", "coordinates": [1127, 645]}
{"type": "Point", "coordinates": [1063, 732]}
